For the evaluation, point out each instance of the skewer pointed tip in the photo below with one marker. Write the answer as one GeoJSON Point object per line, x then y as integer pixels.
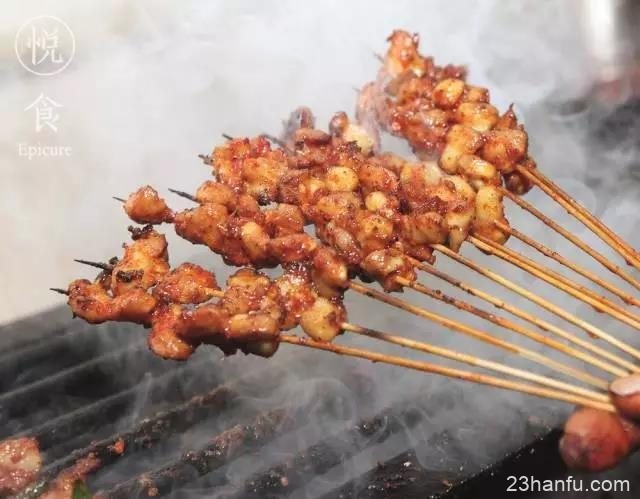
{"type": "Point", "coordinates": [184, 195]}
{"type": "Point", "coordinates": [227, 136]}
{"type": "Point", "coordinates": [60, 290]}
{"type": "Point", "coordinates": [275, 140]}
{"type": "Point", "coordinates": [98, 265]}
{"type": "Point", "coordinates": [119, 199]}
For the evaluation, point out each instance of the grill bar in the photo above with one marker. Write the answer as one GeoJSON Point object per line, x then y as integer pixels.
{"type": "Point", "coordinates": [226, 446]}
{"type": "Point", "coordinates": [403, 477]}
{"type": "Point", "coordinates": [85, 380]}
{"type": "Point", "coordinates": [32, 362]}
{"type": "Point", "coordinates": [150, 431]}
{"type": "Point", "coordinates": [143, 436]}
{"type": "Point", "coordinates": [332, 451]}
{"type": "Point", "coordinates": [90, 418]}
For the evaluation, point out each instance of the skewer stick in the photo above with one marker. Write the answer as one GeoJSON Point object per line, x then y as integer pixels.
{"type": "Point", "coordinates": [590, 328]}
{"type": "Point", "coordinates": [99, 265]}
{"type": "Point", "coordinates": [586, 213]}
{"type": "Point", "coordinates": [449, 372]}
{"type": "Point", "coordinates": [480, 335]}
{"type": "Point", "coordinates": [542, 324]}
{"type": "Point", "coordinates": [583, 294]}
{"type": "Point", "coordinates": [184, 194]}
{"type": "Point", "coordinates": [507, 324]}
{"type": "Point", "coordinates": [275, 140]}
{"type": "Point", "coordinates": [548, 252]}
{"type": "Point", "coordinates": [473, 360]}
{"type": "Point", "coordinates": [206, 159]}
{"type": "Point", "coordinates": [581, 214]}
{"type": "Point", "coordinates": [570, 237]}
{"type": "Point", "coordinates": [214, 293]}
{"type": "Point", "coordinates": [435, 350]}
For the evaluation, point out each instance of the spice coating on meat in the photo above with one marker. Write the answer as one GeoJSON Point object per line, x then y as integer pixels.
{"type": "Point", "coordinates": [145, 206]}
{"type": "Point", "coordinates": [358, 201]}
{"type": "Point", "coordinates": [20, 462]}
{"type": "Point", "coordinates": [92, 302]}
{"type": "Point", "coordinates": [443, 117]}
{"type": "Point", "coordinates": [68, 480]}
{"type": "Point", "coordinates": [188, 283]}
{"type": "Point", "coordinates": [373, 213]}
{"type": "Point", "coordinates": [251, 166]}
{"type": "Point", "coordinates": [144, 262]}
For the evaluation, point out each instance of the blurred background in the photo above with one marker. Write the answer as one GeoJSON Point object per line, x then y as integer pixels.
{"type": "Point", "coordinates": [154, 83]}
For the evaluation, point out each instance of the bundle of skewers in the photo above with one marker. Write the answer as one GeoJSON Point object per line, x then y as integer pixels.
{"type": "Point", "coordinates": [335, 214]}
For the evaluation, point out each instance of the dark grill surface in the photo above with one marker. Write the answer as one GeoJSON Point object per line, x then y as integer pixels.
{"type": "Point", "coordinates": [207, 429]}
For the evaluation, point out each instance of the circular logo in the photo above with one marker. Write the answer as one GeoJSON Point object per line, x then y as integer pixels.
{"type": "Point", "coordinates": [45, 45]}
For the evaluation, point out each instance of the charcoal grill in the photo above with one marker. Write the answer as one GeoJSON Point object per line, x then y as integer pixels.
{"type": "Point", "coordinates": [83, 390]}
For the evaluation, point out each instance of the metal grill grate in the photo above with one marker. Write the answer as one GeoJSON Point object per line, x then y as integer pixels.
{"type": "Point", "coordinates": [205, 429]}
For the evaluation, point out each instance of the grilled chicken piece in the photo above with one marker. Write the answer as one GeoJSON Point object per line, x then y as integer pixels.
{"type": "Point", "coordinates": [293, 248]}
{"type": "Point", "coordinates": [388, 264]}
{"type": "Point", "coordinates": [323, 320]}
{"type": "Point", "coordinates": [217, 193]}
{"type": "Point", "coordinates": [364, 135]}
{"type": "Point", "coordinates": [20, 463]}
{"type": "Point", "coordinates": [144, 263]}
{"type": "Point", "coordinates": [489, 208]}
{"type": "Point", "coordinates": [284, 220]}
{"type": "Point", "coordinates": [145, 206]}
{"type": "Point", "coordinates": [209, 224]}
{"type": "Point", "coordinates": [188, 283]}
{"type": "Point", "coordinates": [246, 288]}
{"type": "Point", "coordinates": [251, 167]}
{"type": "Point", "coordinates": [442, 116]}
{"type": "Point", "coordinates": [296, 294]}
{"type": "Point", "coordinates": [403, 55]}
{"type": "Point", "coordinates": [69, 479]}
{"type": "Point", "coordinates": [92, 302]}
{"type": "Point", "coordinates": [166, 338]}
{"type": "Point", "coordinates": [329, 273]}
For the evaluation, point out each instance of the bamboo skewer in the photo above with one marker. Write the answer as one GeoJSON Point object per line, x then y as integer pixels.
{"type": "Point", "coordinates": [540, 323]}
{"type": "Point", "coordinates": [449, 372]}
{"type": "Point", "coordinates": [534, 356]}
{"type": "Point", "coordinates": [548, 252]}
{"type": "Point", "coordinates": [580, 213]}
{"type": "Point", "coordinates": [215, 293]}
{"type": "Point", "coordinates": [473, 360]}
{"type": "Point", "coordinates": [590, 328]}
{"type": "Point", "coordinates": [583, 294]}
{"type": "Point", "coordinates": [507, 324]}
{"type": "Point", "coordinates": [454, 355]}
{"type": "Point", "coordinates": [480, 335]}
{"type": "Point", "coordinates": [568, 390]}
{"type": "Point", "coordinates": [573, 239]}
{"type": "Point", "coordinates": [510, 325]}
{"type": "Point", "coordinates": [586, 213]}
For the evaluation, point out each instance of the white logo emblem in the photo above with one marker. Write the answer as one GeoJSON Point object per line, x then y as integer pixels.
{"type": "Point", "coordinates": [45, 45]}
{"type": "Point", "coordinates": [45, 110]}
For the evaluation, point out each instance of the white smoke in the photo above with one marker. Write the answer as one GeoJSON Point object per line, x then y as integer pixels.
{"type": "Point", "coordinates": [154, 83]}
